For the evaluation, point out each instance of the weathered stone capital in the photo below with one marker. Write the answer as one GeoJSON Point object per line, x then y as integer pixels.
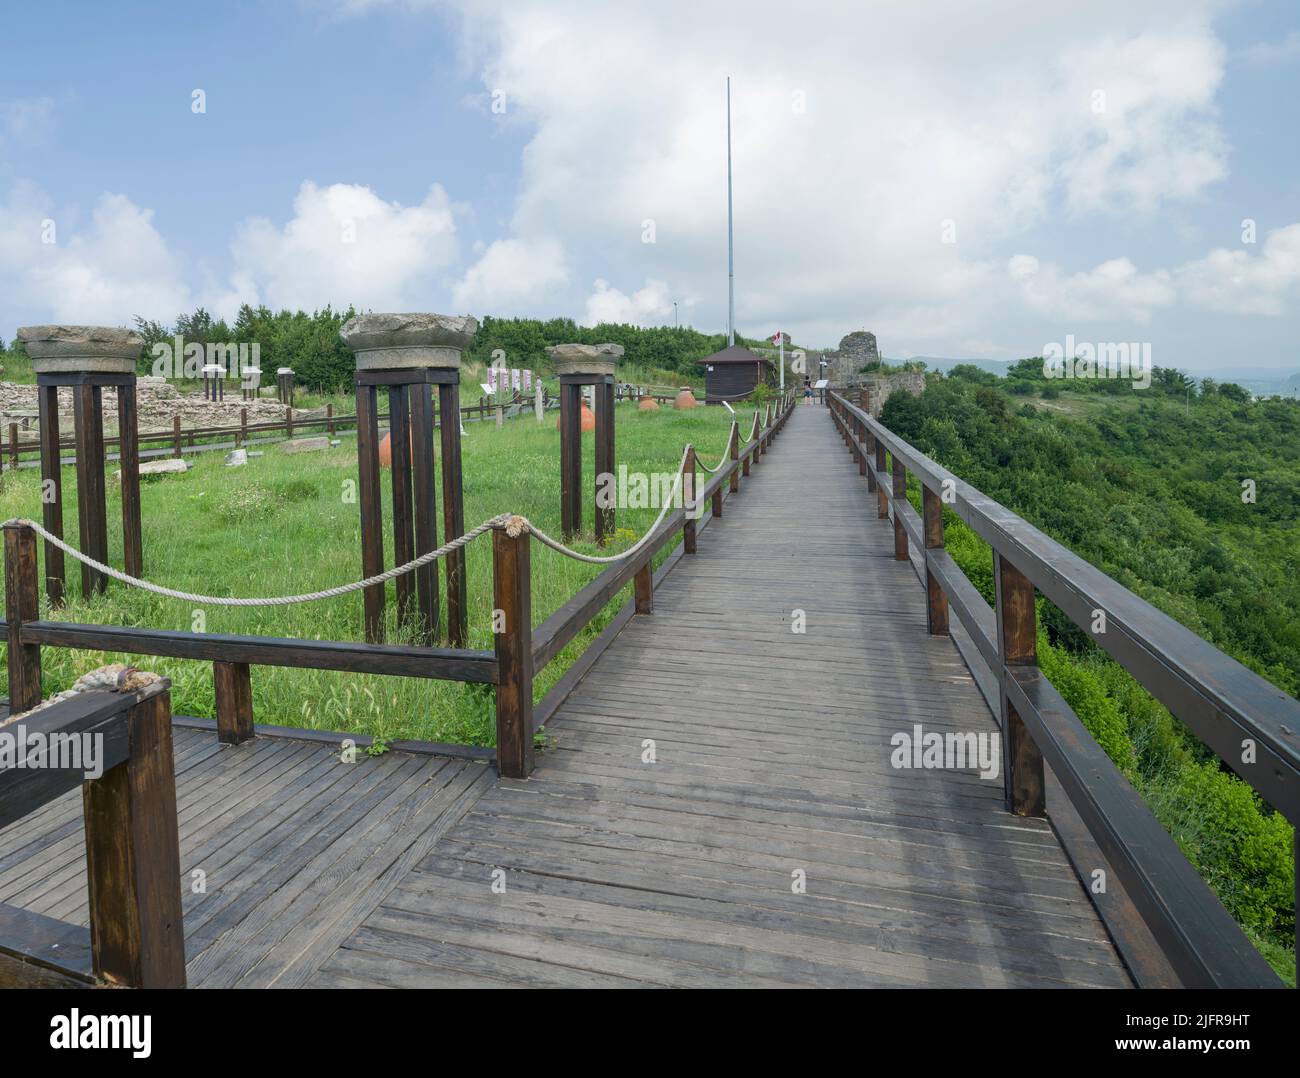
{"type": "Point", "coordinates": [584, 358]}
{"type": "Point", "coordinates": [81, 349]}
{"type": "Point", "coordinates": [408, 341]}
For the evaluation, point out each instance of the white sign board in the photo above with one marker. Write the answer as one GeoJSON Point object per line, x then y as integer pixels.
{"type": "Point", "coordinates": [821, 383]}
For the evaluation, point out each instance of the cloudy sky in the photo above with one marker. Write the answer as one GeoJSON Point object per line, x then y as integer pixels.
{"type": "Point", "coordinates": [964, 179]}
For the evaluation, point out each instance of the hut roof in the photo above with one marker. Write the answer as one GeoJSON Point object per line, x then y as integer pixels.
{"type": "Point", "coordinates": [736, 354]}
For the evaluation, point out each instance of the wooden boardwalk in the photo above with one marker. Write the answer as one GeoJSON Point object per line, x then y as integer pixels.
{"type": "Point", "coordinates": [772, 757]}
{"type": "Point", "coordinates": [771, 764]}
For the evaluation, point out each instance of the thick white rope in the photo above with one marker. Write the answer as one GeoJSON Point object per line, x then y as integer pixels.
{"type": "Point", "coordinates": [503, 521]}
{"type": "Point", "coordinates": [577, 555]}
{"type": "Point", "coordinates": [726, 453]}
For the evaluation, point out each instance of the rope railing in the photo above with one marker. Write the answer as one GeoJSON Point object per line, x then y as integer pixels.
{"type": "Point", "coordinates": [504, 520]}
{"type": "Point", "coordinates": [513, 524]}
{"type": "Point", "coordinates": [726, 453]}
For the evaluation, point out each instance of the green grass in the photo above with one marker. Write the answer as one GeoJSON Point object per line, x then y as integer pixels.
{"type": "Point", "coordinates": [281, 525]}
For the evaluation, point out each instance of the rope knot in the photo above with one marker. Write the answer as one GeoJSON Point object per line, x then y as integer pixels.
{"type": "Point", "coordinates": [516, 526]}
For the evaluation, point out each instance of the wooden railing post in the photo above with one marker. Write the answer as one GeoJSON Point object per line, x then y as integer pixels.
{"type": "Point", "coordinates": [13, 446]}
{"type": "Point", "coordinates": [329, 419]}
{"type": "Point", "coordinates": [1017, 646]}
{"type": "Point", "coordinates": [871, 452]}
{"type": "Point", "coordinates": [733, 446]}
{"type": "Point", "coordinates": [234, 694]}
{"type": "Point", "coordinates": [22, 603]}
{"type": "Point", "coordinates": [133, 864]}
{"type": "Point", "coordinates": [644, 588]}
{"type": "Point", "coordinates": [861, 432]}
{"type": "Point", "coordinates": [241, 438]}
{"type": "Point", "coordinates": [936, 610]}
{"type": "Point", "coordinates": [513, 617]}
{"type": "Point", "coordinates": [176, 436]}
{"type": "Point", "coordinates": [900, 496]}
{"type": "Point", "coordinates": [882, 500]}
{"type": "Point", "coordinates": [288, 420]}
{"type": "Point", "coordinates": [688, 500]}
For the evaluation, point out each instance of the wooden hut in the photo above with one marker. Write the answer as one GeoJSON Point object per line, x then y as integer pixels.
{"type": "Point", "coordinates": [734, 372]}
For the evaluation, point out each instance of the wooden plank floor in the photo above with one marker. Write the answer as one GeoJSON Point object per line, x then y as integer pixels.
{"type": "Point", "coordinates": [772, 758]}
{"type": "Point", "coordinates": [295, 847]}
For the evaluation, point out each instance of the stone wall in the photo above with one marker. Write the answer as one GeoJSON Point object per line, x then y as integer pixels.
{"type": "Point", "coordinates": [856, 350]}
{"type": "Point", "coordinates": [882, 387]}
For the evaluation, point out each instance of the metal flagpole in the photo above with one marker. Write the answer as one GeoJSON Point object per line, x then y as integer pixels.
{"type": "Point", "coordinates": [731, 261]}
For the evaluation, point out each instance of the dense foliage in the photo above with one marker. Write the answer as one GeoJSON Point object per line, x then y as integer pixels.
{"type": "Point", "coordinates": [1150, 485]}
{"type": "Point", "coordinates": [309, 343]}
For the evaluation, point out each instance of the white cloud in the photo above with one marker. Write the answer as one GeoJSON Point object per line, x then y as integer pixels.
{"type": "Point", "coordinates": [1237, 282]}
{"type": "Point", "coordinates": [1112, 290]}
{"type": "Point", "coordinates": [648, 305]}
{"type": "Point", "coordinates": [511, 275]}
{"type": "Point", "coordinates": [344, 244]}
{"type": "Point", "coordinates": [109, 270]}
{"type": "Point", "coordinates": [857, 131]}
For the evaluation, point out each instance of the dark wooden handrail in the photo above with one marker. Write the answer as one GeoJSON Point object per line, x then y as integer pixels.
{"type": "Point", "coordinates": [1216, 697]}
{"type": "Point", "coordinates": [136, 936]}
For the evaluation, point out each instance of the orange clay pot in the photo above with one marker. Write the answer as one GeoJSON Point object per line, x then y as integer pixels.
{"type": "Point", "coordinates": [588, 419]}
{"type": "Point", "coordinates": [685, 398]}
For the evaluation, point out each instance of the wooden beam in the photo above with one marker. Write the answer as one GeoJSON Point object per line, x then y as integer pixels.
{"type": "Point", "coordinates": [605, 516]}
{"type": "Point", "coordinates": [372, 511]}
{"type": "Point", "coordinates": [688, 499]}
{"type": "Point", "coordinates": [936, 608]}
{"type": "Point", "coordinates": [453, 514]}
{"type": "Point", "coordinates": [22, 604]}
{"type": "Point", "coordinates": [425, 509]}
{"type": "Point", "coordinates": [128, 441]}
{"type": "Point", "coordinates": [900, 497]}
{"type": "Point", "coordinates": [512, 602]}
{"type": "Point", "coordinates": [133, 858]}
{"type": "Point", "coordinates": [233, 687]}
{"type": "Point", "coordinates": [47, 398]}
{"type": "Point", "coordinates": [1018, 646]}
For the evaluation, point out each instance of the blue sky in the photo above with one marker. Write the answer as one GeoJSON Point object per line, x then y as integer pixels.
{"type": "Point", "coordinates": [349, 152]}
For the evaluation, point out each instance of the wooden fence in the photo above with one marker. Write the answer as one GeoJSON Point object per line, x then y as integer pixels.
{"type": "Point", "coordinates": [1220, 701]}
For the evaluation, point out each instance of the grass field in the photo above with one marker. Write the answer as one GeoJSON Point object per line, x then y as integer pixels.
{"type": "Point", "coordinates": [282, 525]}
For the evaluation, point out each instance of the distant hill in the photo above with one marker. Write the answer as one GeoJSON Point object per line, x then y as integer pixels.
{"type": "Point", "coordinates": [1260, 381]}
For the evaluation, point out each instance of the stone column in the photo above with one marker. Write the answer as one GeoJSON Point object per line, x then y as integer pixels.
{"type": "Point", "coordinates": [409, 354]}
{"type": "Point", "coordinates": [86, 359]}
{"type": "Point", "coordinates": [580, 365]}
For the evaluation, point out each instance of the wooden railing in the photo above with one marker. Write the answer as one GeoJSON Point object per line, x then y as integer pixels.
{"type": "Point", "coordinates": [519, 650]}
{"type": "Point", "coordinates": [1220, 701]}
{"type": "Point", "coordinates": [136, 937]}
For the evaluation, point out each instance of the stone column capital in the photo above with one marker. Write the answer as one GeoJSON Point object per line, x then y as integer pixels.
{"type": "Point", "coordinates": [81, 349]}
{"type": "Point", "coordinates": [408, 341]}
